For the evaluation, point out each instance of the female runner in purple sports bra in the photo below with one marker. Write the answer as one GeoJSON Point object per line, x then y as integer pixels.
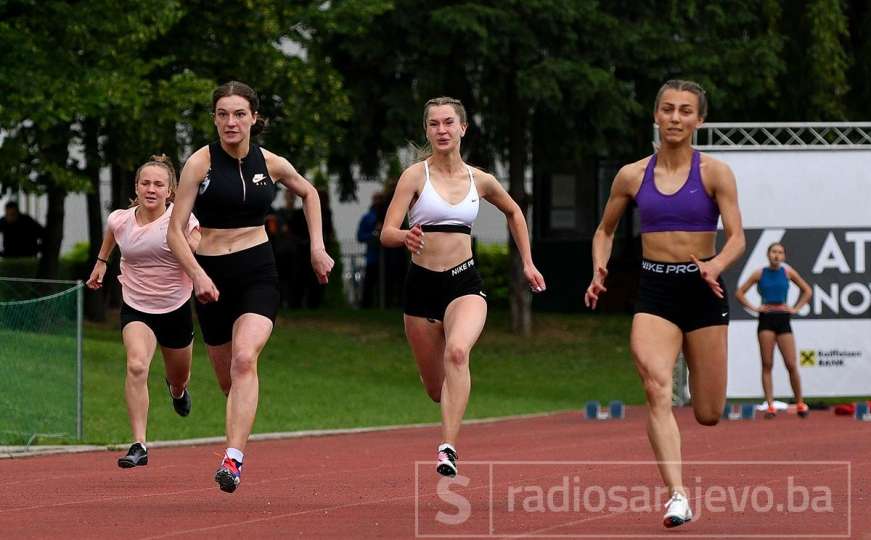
{"type": "Point", "coordinates": [682, 300]}
{"type": "Point", "coordinates": [445, 306]}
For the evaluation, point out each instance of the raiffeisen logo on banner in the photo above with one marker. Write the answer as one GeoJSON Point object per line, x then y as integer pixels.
{"type": "Point", "coordinates": [831, 260]}
{"type": "Point", "coordinates": [828, 358]}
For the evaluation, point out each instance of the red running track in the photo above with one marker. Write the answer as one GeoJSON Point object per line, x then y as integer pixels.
{"type": "Point", "coordinates": [556, 476]}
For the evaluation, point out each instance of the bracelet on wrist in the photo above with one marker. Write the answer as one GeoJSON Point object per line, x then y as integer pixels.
{"type": "Point", "coordinates": [102, 260]}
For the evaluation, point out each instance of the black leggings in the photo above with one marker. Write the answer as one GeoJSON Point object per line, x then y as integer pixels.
{"type": "Point", "coordinates": [247, 282]}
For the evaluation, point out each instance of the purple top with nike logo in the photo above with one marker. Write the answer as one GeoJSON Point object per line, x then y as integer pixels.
{"type": "Point", "coordinates": [690, 208]}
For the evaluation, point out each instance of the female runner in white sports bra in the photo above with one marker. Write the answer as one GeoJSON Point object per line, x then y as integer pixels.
{"type": "Point", "coordinates": [445, 306]}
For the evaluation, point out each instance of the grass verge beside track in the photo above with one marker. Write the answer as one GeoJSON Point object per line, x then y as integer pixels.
{"type": "Point", "coordinates": [348, 368]}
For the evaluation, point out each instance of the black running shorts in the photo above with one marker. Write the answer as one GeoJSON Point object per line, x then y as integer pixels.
{"type": "Point", "coordinates": [247, 282]}
{"type": "Point", "coordinates": [676, 292]}
{"type": "Point", "coordinates": [173, 330]}
{"type": "Point", "coordinates": [428, 293]}
{"type": "Point", "coordinates": [775, 321]}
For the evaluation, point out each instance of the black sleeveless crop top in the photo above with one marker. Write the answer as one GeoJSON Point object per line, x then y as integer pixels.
{"type": "Point", "coordinates": [235, 192]}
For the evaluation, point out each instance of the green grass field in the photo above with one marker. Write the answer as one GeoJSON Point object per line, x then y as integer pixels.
{"type": "Point", "coordinates": [347, 368]}
{"type": "Point", "coordinates": [39, 390]}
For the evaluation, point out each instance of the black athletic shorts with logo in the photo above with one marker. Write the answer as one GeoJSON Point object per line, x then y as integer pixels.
{"type": "Point", "coordinates": [247, 282]}
{"type": "Point", "coordinates": [775, 321]}
{"type": "Point", "coordinates": [428, 293]}
{"type": "Point", "coordinates": [676, 292]}
{"type": "Point", "coordinates": [173, 330]}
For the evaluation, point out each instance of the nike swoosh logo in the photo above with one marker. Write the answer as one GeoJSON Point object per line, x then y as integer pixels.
{"type": "Point", "coordinates": [693, 190]}
{"type": "Point", "coordinates": [726, 313]}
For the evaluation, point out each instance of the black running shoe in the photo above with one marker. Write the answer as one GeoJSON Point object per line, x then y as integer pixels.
{"type": "Point", "coordinates": [447, 462]}
{"type": "Point", "coordinates": [136, 456]}
{"type": "Point", "coordinates": [228, 475]}
{"type": "Point", "coordinates": [181, 405]}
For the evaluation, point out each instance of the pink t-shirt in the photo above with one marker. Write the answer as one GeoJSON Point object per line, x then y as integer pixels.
{"type": "Point", "coordinates": [152, 280]}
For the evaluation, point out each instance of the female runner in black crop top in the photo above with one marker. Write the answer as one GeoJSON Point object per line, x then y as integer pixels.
{"type": "Point", "coordinates": [235, 280]}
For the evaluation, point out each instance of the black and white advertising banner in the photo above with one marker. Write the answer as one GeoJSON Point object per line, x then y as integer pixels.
{"type": "Point", "coordinates": [818, 205]}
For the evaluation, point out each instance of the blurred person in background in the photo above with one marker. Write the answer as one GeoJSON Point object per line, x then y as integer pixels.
{"type": "Point", "coordinates": [22, 235]}
{"type": "Point", "coordinates": [774, 327]}
{"type": "Point", "coordinates": [368, 233]}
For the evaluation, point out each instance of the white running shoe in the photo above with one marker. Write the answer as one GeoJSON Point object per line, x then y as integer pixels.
{"type": "Point", "coordinates": [447, 461]}
{"type": "Point", "coordinates": [677, 511]}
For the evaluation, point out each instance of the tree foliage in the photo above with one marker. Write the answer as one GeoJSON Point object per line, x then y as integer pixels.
{"type": "Point", "coordinates": [343, 82]}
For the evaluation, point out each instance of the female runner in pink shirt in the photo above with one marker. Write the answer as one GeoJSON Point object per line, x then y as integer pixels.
{"type": "Point", "coordinates": [156, 294]}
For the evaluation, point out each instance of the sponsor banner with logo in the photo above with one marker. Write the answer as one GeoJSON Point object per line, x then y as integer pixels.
{"type": "Point", "coordinates": [818, 205]}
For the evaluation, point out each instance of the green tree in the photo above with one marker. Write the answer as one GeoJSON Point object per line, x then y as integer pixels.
{"type": "Point", "coordinates": [815, 84]}
{"type": "Point", "coordinates": [577, 77]}
{"type": "Point", "coordinates": [123, 81]}
{"type": "Point", "coordinates": [56, 48]}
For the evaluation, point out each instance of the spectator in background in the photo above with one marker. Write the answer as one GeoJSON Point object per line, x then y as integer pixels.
{"type": "Point", "coordinates": [394, 260]}
{"type": "Point", "coordinates": [283, 246]}
{"type": "Point", "coordinates": [22, 235]}
{"type": "Point", "coordinates": [774, 312]}
{"type": "Point", "coordinates": [368, 232]}
{"type": "Point", "coordinates": [304, 290]}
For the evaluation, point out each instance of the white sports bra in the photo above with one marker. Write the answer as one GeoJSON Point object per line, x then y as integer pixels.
{"type": "Point", "coordinates": [435, 214]}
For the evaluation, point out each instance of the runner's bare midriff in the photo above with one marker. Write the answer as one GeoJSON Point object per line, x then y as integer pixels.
{"type": "Point", "coordinates": [678, 246]}
{"type": "Point", "coordinates": [443, 251]}
{"type": "Point", "coordinates": [224, 241]}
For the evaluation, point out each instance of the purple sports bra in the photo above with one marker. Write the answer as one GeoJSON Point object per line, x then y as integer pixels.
{"type": "Point", "coordinates": [690, 208]}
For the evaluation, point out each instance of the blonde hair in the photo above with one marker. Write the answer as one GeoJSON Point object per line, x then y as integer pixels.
{"type": "Point", "coordinates": [421, 153]}
{"type": "Point", "coordinates": [163, 162]}
{"type": "Point", "coordinates": [684, 86]}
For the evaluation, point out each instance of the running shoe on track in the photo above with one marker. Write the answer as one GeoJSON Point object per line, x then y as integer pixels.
{"type": "Point", "coordinates": [770, 413]}
{"type": "Point", "coordinates": [137, 455]}
{"type": "Point", "coordinates": [229, 475]}
{"type": "Point", "coordinates": [677, 511]}
{"type": "Point", "coordinates": [181, 405]}
{"type": "Point", "coordinates": [447, 462]}
{"type": "Point", "coordinates": [802, 409]}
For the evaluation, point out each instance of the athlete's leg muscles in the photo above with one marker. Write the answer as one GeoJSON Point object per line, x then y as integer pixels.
{"type": "Point", "coordinates": [220, 356]}
{"type": "Point", "coordinates": [427, 341]}
{"type": "Point", "coordinates": [705, 352]}
{"type": "Point", "coordinates": [140, 343]}
{"type": "Point", "coordinates": [464, 321]}
{"type": "Point", "coordinates": [766, 352]}
{"type": "Point", "coordinates": [250, 333]}
{"type": "Point", "coordinates": [655, 343]}
{"type": "Point", "coordinates": [786, 344]}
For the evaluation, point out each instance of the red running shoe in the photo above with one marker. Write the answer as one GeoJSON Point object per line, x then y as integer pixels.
{"type": "Point", "coordinates": [802, 409]}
